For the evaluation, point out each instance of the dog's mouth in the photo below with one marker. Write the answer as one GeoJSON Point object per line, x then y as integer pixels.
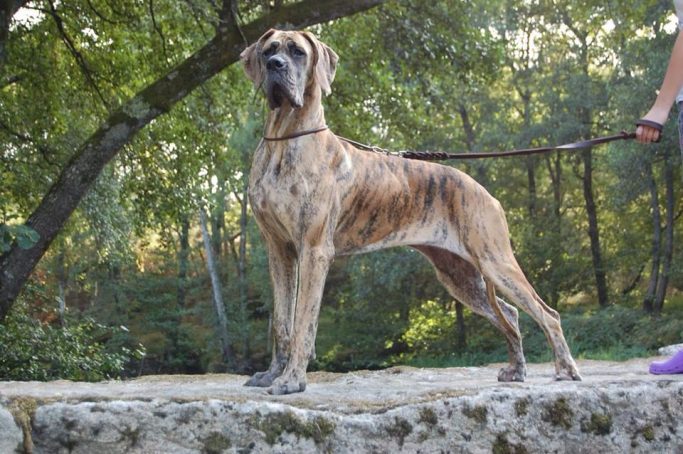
{"type": "Point", "coordinates": [278, 94]}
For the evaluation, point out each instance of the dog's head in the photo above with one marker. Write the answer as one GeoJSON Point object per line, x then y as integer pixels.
{"type": "Point", "coordinates": [288, 64]}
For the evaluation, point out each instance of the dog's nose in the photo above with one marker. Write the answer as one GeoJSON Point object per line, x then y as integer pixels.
{"type": "Point", "coordinates": [275, 62]}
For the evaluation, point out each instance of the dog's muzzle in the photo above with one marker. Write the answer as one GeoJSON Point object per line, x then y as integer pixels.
{"type": "Point", "coordinates": [280, 84]}
{"type": "Point", "coordinates": [276, 63]}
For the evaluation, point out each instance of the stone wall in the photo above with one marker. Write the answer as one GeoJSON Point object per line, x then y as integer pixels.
{"type": "Point", "coordinates": [617, 408]}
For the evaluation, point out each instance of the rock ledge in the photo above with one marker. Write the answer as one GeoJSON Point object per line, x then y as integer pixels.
{"type": "Point", "coordinates": [617, 408]}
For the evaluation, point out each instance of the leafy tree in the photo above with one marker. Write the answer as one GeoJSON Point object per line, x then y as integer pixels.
{"type": "Point", "coordinates": [456, 76]}
{"type": "Point", "coordinates": [154, 100]}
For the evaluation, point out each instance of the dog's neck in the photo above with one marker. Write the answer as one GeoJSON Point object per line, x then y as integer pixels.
{"type": "Point", "coordinates": [287, 120]}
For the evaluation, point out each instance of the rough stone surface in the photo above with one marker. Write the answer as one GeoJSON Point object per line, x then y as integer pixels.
{"type": "Point", "coordinates": [11, 436]}
{"type": "Point", "coordinates": [670, 349]}
{"type": "Point", "coordinates": [618, 408]}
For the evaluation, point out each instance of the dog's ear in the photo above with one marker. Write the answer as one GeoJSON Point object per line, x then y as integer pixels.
{"type": "Point", "coordinates": [251, 59]}
{"type": "Point", "coordinates": [324, 63]}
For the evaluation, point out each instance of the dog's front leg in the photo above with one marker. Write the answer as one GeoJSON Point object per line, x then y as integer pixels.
{"type": "Point", "coordinates": [314, 262]}
{"type": "Point", "coordinates": [283, 271]}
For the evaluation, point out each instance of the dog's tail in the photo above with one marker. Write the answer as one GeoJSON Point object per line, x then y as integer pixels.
{"type": "Point", "coordinates": [493, 302]}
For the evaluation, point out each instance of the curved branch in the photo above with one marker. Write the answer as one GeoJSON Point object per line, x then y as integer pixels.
{"type": "Point", "coordinates": [158, 29]}
{"type": "Point", "coordinates": [116, 131]}
{"type": "Point", "coordinates": [229, 16]}
{"type": "Point", "coordinates": [44, 150]}
{"type": "Point", "coordinates": [100, 15]}
{"type": "Point", "coordinates": [80, 60]}
{"type": "Point", "coordinates": [7, 10]}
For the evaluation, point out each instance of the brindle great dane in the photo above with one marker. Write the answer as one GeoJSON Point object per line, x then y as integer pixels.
{"type": "Point", "coordinates": [315, 196]}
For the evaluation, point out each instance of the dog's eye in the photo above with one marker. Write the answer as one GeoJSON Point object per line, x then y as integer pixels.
{"type": "Point", "coordinates": [297, 52]}
{"type": "Point", "coordinates": [270, 50]}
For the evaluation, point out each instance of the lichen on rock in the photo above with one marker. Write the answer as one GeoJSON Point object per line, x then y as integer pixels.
{"type": "Point", "coordinates": [416, 410]}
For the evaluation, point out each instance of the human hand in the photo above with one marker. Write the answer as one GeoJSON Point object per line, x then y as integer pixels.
{"type": "Point", "coordinates": [650, 127]}
{"type": "Point", "coordinates": [648, 132]}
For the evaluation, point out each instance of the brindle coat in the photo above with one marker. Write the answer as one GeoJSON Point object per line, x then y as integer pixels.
{"type": "Point", "coordinates": [316, 196]}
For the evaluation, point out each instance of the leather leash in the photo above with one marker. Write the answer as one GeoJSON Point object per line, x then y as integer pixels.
{"type": "Point", "coordinates": [444, 156]}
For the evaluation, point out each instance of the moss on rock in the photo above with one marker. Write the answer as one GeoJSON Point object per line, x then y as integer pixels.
{"type": "Point", "coordinates": [522, 406]}
{"type": "Point", "coordinates": [399, 429]}
{"type": "Point", "coordinates": [428, 417]}
{"type": "Point", "coordinates": [479, 413]}
{"type": "Point", "coordinates": [23, 410]}
{"type": "Point", "coordinates": [216, 443]}
{"type": "Point", "coordinates": [648, 433]}
{"type": "Point", "coordinates": [599, 424]}
{"type": "Point", "coordinates": [275, 424]}
{"type": "Point", "coordinates": [503, 446]}
{"type": "Point", "coordinates": [559, 413]}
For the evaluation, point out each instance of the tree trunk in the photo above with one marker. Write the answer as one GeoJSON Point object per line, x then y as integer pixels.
{"type": "Point", "coordinates": [218, 305]}
{"type": "Point", "coordinates": [656, 240]}
{"type": "Point", "coordinates": [158, 98]}
{"type": "Point", "coordinates": [7, 9]}
{"type": "Point", "coordinates": [183, 258]}
{"type": "Point", "coordinates": [467, 127]}
{"type": "Point", "coordinates": [460, 323]}
{"type": "Point", "coordinates": [175, 329]}
{"type": "Point", "coordinates": [530, 160]}
{"type": "Point", "coordinates": [114, 286]}
{"type": "Point", "coordinates": [555, 170]}
{"type": "Point", "coordinates": [242, 271]}
{"type": "Point", "coordinates": [531, 181]}
{"type": "Point", "coordinates": [634, 283]}
{"type": "Point", "coordinates": [660, 296]}
{"type": "Point", "coordinates": [62, 282]}
{"type": "Point", "coordinates": [218, 220]}
{"type": "Point", "coordinates": [554, 164]}
{"type": "Point", "coordinates": [470, 139]}
{"type": "Point", "coordinates": [593, 231]}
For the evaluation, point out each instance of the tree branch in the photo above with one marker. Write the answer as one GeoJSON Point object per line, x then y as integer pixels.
{"type": "Point", "coordinates": [80, 60]}
{"type": "Point", "coordinates": [8, 9]}
{"type": "Point", "coordinates": [156, 99]}
{"type": "Point", "coordinates": [158, 29]}
{"type": "Point", "coordinates": [100, 15]}
{"type": "Point", "coordinates": [195, 16]}
{"type": "Point", "coordinates": [229, 17]}
{"type": "Point", "coordinates": [45, 151]}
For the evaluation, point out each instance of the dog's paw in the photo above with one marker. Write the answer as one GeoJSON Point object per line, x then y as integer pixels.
{"type": "Point", "coordinates": [261, 379]}
{"type": "Point", "coordinates": [285, 385]}
{"type": "Point", "coordinates": [568, 375]}
{"type": "Point", "coordinates": [512, 373]}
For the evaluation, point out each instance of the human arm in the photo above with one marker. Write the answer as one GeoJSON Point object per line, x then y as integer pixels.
{"type": "Point", "coordinates": [673, 81]}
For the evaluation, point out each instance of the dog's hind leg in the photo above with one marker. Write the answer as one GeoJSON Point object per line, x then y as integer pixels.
{"type": "Point", "coordinates": [513, 372]}
{"type": "Point", "coordinates": [508, 277]}
{"type": "Point", "coordinates": [464, 282]}
{"type": "Point", "coordinates": [283, 273]}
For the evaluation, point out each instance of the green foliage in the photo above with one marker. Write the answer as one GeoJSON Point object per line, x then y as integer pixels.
{"type": "Point", "coordinates": [22, 234]}
{"type": "Point", "coordinates": [430, 327]}
{"type": "Point", "coordinates": [458, 76]}
{"type": "Point", "coordinates": [33, 350]}
{"type": "Point", "coordinates": [616, 334]}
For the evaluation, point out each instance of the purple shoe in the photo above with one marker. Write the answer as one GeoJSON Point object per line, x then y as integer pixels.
{"type": "Point", "coordinates": [673, 365]}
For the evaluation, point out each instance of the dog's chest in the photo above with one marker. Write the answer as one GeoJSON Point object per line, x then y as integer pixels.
{"type": "Point", "coordinates": [279, 186]}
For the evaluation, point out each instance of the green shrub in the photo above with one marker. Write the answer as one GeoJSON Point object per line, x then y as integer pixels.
{"type": "Point", "coordinates": [32, 350]}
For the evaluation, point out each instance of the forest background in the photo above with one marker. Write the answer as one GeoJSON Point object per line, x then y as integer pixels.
{"type": "Point", "coordinates": [124, 285]}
